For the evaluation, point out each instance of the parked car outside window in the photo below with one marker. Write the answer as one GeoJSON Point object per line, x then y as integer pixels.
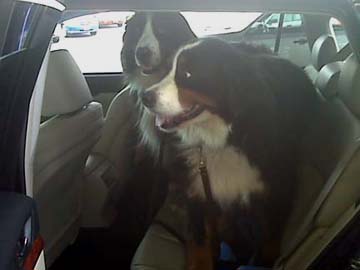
{"type": "Point", "coordinates": [84, 25]}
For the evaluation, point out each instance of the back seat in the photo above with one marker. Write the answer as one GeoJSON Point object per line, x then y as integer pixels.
{"type": "Point", "coordinates": [111, 162]}
{"type": "Point", "coordinates": [335, 133]}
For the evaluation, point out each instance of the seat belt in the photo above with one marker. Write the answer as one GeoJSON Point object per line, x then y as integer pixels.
{"type": "Point", "coordinates": [308, 223]}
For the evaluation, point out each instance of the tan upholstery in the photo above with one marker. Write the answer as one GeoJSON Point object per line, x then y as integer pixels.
{"type": "Point", "coordinates": [322, 53]}
{"type": "Point", "coordinates": [328, 78]}
{"type": "Point", "coordinates": [66, 91]}
{"type": "Point", "coordinates": [64, 143]}
{"type": "Point", "coordinates": [119, 134]}
{"type": "Point", "coordinates": [159, 250]}
{"type": "Point", "coordinates": [111, 161]}
{"type": "Point", "coordinates": [161, 247]}
{"type": "Point", "coordinates": [335, 133]}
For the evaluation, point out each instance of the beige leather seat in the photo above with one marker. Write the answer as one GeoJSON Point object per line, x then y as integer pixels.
{"type": "Point", "coordinates": [65, 139]}
{"type": "Point", "coordinates": [162, 247]}
{"type": "Point", "coordinates": [322, 53]}
{"type": "Point", "coordinates": [331, 152]}
{"type": "Point", "coordinates": [111, 162]}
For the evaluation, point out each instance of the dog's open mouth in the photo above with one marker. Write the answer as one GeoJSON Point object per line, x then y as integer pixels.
{"type": "Point", "coordinates": [148, 69]}
{"type": "Point", "coordinates": [170, 122]}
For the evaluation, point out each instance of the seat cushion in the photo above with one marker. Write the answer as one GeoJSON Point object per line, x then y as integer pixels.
{"type": "Point", "coordinates": [159, 250]}
{"type": "Point", "coordinates": [162, 247]}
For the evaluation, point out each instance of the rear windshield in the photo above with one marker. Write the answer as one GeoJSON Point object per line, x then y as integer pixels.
{"type": "Point", "coordinates": [95, 40]}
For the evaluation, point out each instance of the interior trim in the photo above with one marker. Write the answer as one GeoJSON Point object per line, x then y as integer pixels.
{"type": "Point", "coordinates": [322, 6]}
{"type": "Point", "coordinates": [33, 125]}
{"type": "Point", "coordinates": [49, 3]}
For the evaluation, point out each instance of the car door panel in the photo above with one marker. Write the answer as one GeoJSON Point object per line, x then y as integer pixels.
{"type": "Point", "coordinates": [23, 45]}
{"type": "Point", "coordinates": [20, 243]}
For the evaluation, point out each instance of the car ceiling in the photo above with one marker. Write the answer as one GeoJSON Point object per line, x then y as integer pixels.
{"type": "Point", "coordinates": [326, 6]}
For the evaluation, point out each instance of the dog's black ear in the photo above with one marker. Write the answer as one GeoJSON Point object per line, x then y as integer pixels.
{"type": "Point", "coordinates": [190, 34]}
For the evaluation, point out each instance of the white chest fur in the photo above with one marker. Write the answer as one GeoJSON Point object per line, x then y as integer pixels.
{"type": "Point", "coordinates": [232, 178]}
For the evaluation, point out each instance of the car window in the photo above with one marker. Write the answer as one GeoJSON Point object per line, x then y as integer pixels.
{"type": "Point", "coordinates": [338, 32]}
{"type": "Point", "coordinates": [95, 40]}
{"type": "Point", "coordinates": [215, 23]}
{"type": "Point", "coordinates": [273, 19]}
{"type": "Point", "coordinates": [338, 29]}
{"type": "Point", "coordinates": [292, 44]}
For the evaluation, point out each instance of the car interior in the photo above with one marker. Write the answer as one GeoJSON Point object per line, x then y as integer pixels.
{"type": "Point", "coordinates": [103, 202]}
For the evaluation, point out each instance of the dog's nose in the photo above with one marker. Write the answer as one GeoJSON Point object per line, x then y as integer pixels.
{"type": "Point", "coordinates": [143, 54]}
{"type": "Point", "coordinates": [148, 98]}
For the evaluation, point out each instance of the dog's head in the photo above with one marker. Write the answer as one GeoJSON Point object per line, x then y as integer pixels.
{"type": "Point", "coordinates": [151, 39]}
{"type": "Point", "coordinates": [207, 87]}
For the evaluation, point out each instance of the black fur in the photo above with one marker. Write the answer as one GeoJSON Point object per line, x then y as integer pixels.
{"type": "Point", "coordinates": [269, 102]}
{"type": "Point", "coordinates": [262, 96]}
{"type": "Point", "coordinates": [171, 30]}
{"type": "Point", "coordinates": [252, 48]}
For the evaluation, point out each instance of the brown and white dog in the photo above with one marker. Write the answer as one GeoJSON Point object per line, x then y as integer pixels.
{"type": "Point", "coordinates": [243, 114]}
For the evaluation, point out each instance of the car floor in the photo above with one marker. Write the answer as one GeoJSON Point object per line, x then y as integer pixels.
{"type": "Point", "coordinates": [97, 249]}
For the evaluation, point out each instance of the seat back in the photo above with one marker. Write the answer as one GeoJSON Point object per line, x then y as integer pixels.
{"type": "Point", "coordinates": [322, 53]}
{"type": "Point", "coordinates": [72, 127]}
{"type": "Point", "coordinates": [117, 143]}
{"type": "Point", "coordinates": [330, 152]}
{"type": "Point", "coordinates": [111, 162]}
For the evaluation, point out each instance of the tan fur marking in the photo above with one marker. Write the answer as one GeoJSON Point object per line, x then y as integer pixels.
{"type": "Point", "coordinates": [189, 98]}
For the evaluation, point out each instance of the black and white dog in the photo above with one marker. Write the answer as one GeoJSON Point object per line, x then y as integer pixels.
{"type": "Point", "coordinates": [149, 44]}
{"type": "Point", "coordinates": [243, 115]}
{"type": "Point", "coordinates": [150, 41]}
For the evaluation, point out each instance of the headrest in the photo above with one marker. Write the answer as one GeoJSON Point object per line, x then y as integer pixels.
{"type": "Point", "coordinates": [349, 84]}
{"type": "Point", "coordinates": [328, 78]}
{"type": "Point", "coordinates": [323, 51]}
{"type": "Point", "coordinates": [66, 90]}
